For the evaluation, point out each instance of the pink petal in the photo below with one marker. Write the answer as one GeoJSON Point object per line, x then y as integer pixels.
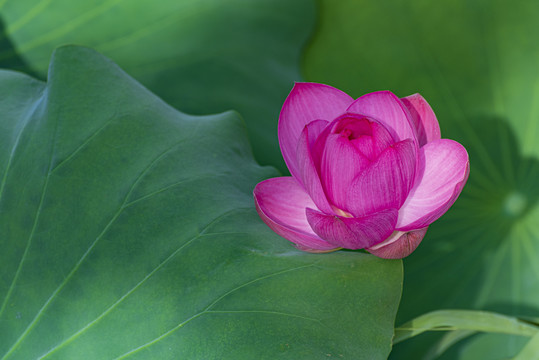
{"type": "Point", "coordinates": [443, 171]}
{"type": "Point", "coordinates": [386, 182]}
{"type": "Point", "coordinates": [353, 233]}
{"type": "Point", "coordinates": [398, 245]}
{"type": "Point", "coordinates": [373, 146]}
{"type": "Point", "coordinates": [317, 149]}
{"type": "Point", "coordinates": [308, 172]}
{"type": "Point", "coordinates": [305, 103]}
{"type": "Point", "coordinates": [387, 108]}
{"type": "Point", "coordinates": [423, 118]}
{"type": "Point", "coordinates": [340, 164]}
{"type": "Point", "coordinates": [281, 204]}
{"type": "Point", "coordinates": [369, 137]}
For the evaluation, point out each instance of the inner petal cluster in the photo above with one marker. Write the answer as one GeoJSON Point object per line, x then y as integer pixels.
{"type": "Point", "coordinates": [350, 145]}
{"type": "Point", "coordinates": [367, 136]}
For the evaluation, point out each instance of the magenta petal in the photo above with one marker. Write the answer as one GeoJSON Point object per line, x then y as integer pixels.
{"type": "Point", "coordinates": [305, 103]}
{"type": "Point", "coordinates": [281, 204]}
{"type": "Point", "coordinates": [423, 118]}
{"type": "Point", "coordinates": [307, 170]}
{"type": "Point", "coordinates": [373, 146]}
{"type": "Point", "coordinates": [399, 244]}
{"type": "Point", "coordinates": [386, 182]}
{"type": "Point", "coordinates": [353, 233]}
{"type": "Point", "coordinates": [444, 169]}
{"type": "Point", "coordinates": [340, 164]}
{"type": "Point", "coordinates": [387, 108]}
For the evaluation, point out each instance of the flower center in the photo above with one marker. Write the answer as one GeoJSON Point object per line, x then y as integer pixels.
{"type": "Point", "coordinates": [353, 128]}
{"type": "Point", "coordinates": [367, 136]}
{"type": "Point", "coordinates": [341, 212]}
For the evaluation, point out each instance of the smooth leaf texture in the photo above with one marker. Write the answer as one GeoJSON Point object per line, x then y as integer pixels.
{"type": "Point", "coordinates": [129, 231]}
{"type": "Point", "coordinates": [201, 56]}
{"type": "Point", "coordinates": [476, 63]}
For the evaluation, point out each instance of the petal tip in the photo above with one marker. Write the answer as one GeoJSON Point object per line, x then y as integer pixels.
{"type": "Point", "coordinates": [400, 245]}
{"type": "Point", "coordinates": [423, 118]}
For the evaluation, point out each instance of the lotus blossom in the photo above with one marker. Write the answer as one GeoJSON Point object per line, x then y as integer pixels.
{"type": "Point", "coordinates": [371, 173]}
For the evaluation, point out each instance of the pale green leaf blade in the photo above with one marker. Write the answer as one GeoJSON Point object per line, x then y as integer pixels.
{"type": "Point", "coordinates": [451, 320]}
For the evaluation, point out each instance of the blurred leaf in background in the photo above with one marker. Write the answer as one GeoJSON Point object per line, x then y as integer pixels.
{"type": "Point", "coordinates": [201, 56]}
{"type": "Point", "coordinates": [476, 62]}
{"type": "Point", "coordinates": [129, 231]}
{"type": "Point", "coordinates": [14, 61]}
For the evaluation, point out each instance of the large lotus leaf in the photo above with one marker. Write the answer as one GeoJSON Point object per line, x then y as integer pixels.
{"type": "Point", "coordinates": [476, 62]}
{"type": "Point", "coordinates": [201, 56]}
{"type": "Point", "coordinates": [128, 231]}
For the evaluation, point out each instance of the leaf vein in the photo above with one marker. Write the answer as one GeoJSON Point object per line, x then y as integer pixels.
{"type": "Point", "coordinates": [137, 286]}
{"type": "Point", "coordinates": [88, 251]}
{"type": "Point", "coordinates": [269, 312]}
{"type": "Point", "coordinates": [171, 186]}
{"type": "Point", "coordinates": [83, 145]}
{"type": "Point", "coordinates": [29, 241]}
{"type": "Point", "coordinates": [68, 27]}
{"type": "Point", "coordinates": [208, 311]}
{"type": "Point", "coordinates": [28, 15]}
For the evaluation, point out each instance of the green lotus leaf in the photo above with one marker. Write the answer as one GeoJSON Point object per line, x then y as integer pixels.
{"type": "Point", "coordinates": [129, 232]}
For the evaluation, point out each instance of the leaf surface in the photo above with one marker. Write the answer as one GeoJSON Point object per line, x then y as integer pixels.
{"type": "Point", "coordinates": [129, 232]}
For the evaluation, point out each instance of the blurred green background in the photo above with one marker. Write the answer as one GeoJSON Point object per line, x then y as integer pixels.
{"type": "Point", "coordinates": [476, 62]}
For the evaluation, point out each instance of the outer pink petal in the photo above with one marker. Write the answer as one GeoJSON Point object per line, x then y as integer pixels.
{"type": "Point", "coordinates": [281, 204]}
{"type": "Point", "coordinates": [388, 109]}
{"type": "Point", "coordinates": [308, 172]}
{"type": "Point", "coordinates": [353, 233]}
{"type": "Point", "coordinates": [305, 103]}
{"type": "Point", "coordinates": [399, 244]}
{"type": "Point", "coordinates": [444, 169]}
{"type": "Point", "coordinates": [386, 183]}
{"type": "Point", "coordinates": [423, 118]}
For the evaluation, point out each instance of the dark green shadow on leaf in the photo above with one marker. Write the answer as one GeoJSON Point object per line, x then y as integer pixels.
{"type": "Point", "coordinates": [11, 59]}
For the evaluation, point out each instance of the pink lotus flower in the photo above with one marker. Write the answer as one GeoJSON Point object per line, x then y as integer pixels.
{"type": "Point", "coordinates": [371, 173]}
